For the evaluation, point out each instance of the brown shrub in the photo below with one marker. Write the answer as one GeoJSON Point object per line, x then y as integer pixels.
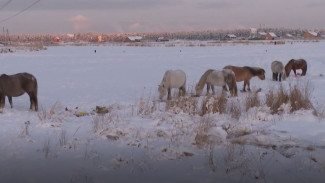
{"type": "Point", "coordinates": [214, 104]}
{"type": "Point", "coordinates": [300, 97]}
{"type": "Point", "coordinates": [252, 100]}
{"type": "Point", "coordinates": [185, 104]}
{"type": "Point", "coordinates": [275, 99]}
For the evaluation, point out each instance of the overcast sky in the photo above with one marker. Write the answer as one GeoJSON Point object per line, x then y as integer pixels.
{"type": "Point", "coordinates": [124, 16]}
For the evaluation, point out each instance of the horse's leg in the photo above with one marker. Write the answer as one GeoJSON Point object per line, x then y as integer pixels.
{"type": "Point", "coordinates": [248, 86]}
{"type": "Point", "coordinates": [212, 88]}
{"type": "Point", "coordinates": [208, 88]}
{"type": "Point", "coordinates": [275, 76]}
{"type": "Point", "coordinates": [304, 71]}
{"type": "Point", "coordinates": [169, 97]}
{"type": "Point", "coordinates": [35, 102]}
{"type": "Point", "coordinates": [183, 90]}
{"type": "Point", "coordinates": [31, 101]}
{"type": "Point", "coordinates": [280, 75]}
{"type": "Point", "coordinates": [2, 101]}
{"type": "Point", "coordinates": [224, 87]}
{"type": "Point", "coordinates": [10, 101]}
{"type": "Point", "coordinates": [244, 88]}
{"type": "Point", "coordinates": [294, 71]}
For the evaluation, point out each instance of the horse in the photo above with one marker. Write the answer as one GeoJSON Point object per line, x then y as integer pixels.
{"type": "Point", "coordinates": [278, 71]}
{"type": "Point", "coordinates": [172, 79]}
{"type": "Point", "coordinates": [296, 64]}
{"type": "Point", "coordinates": [16, 85]}
{"type": "Point", "coordinates": [246, 73]}
{"type": "Point", "coordinates": [213, 78]}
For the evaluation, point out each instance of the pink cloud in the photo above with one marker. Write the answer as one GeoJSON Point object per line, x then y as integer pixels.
{"type": "Point", "coordinates": [134, 26]}
{"type": "Point", "coordinates": [79, 22]}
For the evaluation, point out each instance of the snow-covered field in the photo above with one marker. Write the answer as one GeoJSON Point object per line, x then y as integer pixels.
{"type": "Point", "coordinates": [140, 138]}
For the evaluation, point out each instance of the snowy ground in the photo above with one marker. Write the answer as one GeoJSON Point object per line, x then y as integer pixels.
{"type": "Point", "coordinates": [139, 139]}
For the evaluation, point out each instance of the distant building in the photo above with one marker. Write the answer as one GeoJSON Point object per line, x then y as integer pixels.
{"type": "Point", "coordinates": [56, 39]}
{"type": "Point", "coordinates": [288, 36]}
{"type": "Point", "coordinates": [261, 35]}
{"type": "Point", "coordinates": [310, 34]}
{"type": "Point", "coordinates": [99, 39]}
{"type": "Point", "coordinates": [133, 39]}
{"type": "Point", "coordinates": [270, 36]}
{"type": "Point", "coordinates": [162, 39]}
{"type": "Point", "coordinates": [230, 36]}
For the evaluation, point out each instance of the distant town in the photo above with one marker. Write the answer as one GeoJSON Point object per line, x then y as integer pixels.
{"type": "Point", "coordinates": [218, 35]}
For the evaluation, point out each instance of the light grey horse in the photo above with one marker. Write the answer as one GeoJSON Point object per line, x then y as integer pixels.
{"type": "Point", "coordinates": [217, 78]}
{"type": "Point", "coordinates": [172, 79]}
{"type": "Point", "coordinates": [278, 71]}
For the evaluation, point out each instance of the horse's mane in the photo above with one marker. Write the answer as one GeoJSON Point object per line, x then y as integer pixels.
{"type": "Point", "coordinates": [255, 70]}
{"type": "Point", "coordinates": [203, 78]}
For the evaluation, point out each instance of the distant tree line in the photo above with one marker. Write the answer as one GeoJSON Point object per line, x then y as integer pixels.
{"type": "Point", "coordinates": [181, 35]}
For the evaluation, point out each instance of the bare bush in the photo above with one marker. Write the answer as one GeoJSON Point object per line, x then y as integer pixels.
{"type": "Point", "coordinates": [201, 137]}
{"type": "Point", "coordinates": [147, 107]}
{"type": "Point", "coordinates": [234, 110]}
{"type": "Point", "coordinates": [53, 115]}
{"type": "Point", "coordinates": [214, 104]}
{"type": "Point", "coordinates": [25, 131]}
{"type": "Point", "coordinates": [63, 139]}
{"type": "Point", "coordinates": [185, 104]}
{"type": "Point", "coordinates": [252, 100]}
{"type": "Point", "coordinates": [300, 97]}
{"type": "Point", "coordinates": [274, 100]}
{"type": "Point", "coordinates": [103, 122]}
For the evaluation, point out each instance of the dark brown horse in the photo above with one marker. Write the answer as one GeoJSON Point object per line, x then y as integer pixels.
{"type": "Point", "coordinates": [296, 64]}
{"type": "Point", "coordinates": [16, 85]}
{"type": "Point", "coordinates": [246, 73]}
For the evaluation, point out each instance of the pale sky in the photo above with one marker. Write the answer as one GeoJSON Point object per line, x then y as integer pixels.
{"type": "Point", "coordinates": [124, 16]}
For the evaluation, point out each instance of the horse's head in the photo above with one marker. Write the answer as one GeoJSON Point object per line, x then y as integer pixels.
{"type": "Point", "coordinates": [198, 89]}
{"type": "Point", "coordinates": [262, 74]}
{"type": "Point", "coordinates": [162, 91]}
{"type": "Point", "coordinates": [288, 67]}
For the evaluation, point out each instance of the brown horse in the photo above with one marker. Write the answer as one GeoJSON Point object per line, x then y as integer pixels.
{"type": "Point", "coordinates": [246, 73]}
{"type": "Point", "coordinates": [16, 85]}
{"type": "Point", "coordinates": [296, 64]}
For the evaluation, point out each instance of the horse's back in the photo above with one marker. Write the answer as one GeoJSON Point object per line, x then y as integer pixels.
{"type": "Point", "coordinates": [240, 72]}
{"type": "Point", "coordinates": [216, 77]}
{"type": "Point", "coordinates": [18, 84]}
{"type": "Point", "coordinates": [277, 67]}
{"type": "Point", "coordinates": [175, 78]}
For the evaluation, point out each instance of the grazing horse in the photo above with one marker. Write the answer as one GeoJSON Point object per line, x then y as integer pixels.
{"type": "Point", "coordinates": [172, 79]}
{"type": "Point", "coordinates": [246, 73]}
{"type": "Point", "coordinates": [278, 71]}
{"type": "Point", "coordinates": [217, 78]}
{"type": "Point", "coordinates": [16, 85]}
{"type": "Point", "coordinates": [296, 64]}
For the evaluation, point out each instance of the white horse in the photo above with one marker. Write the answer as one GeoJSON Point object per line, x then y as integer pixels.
{"type": "Point", "coordinates": [217, 78]}
{"type": "Point", "coordinates": [278, 71]}
{"type": "Point", "coordinates": [172, 79]}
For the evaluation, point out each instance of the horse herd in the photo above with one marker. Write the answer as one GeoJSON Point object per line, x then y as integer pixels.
{"type": "Point", "coordinates": [228, 76]}
{"type": "Point", "coordinates": [18, 84]}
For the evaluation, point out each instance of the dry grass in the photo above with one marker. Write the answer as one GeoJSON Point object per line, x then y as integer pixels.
{"type": "Point", "coordinates": [234, 110]}
{"type": "Point", "coordinates": [214, 104]}
{"type": "Point", "coordinates": [53, 115]}
{"type": "Point", "coordinates": [187, 105]}
{"type": "Point", "coordinates": [252, 100]}
{"type": "Point", "coordinates": [300, 97]}
{"type": "Point", "coordinates": [103, 122]}
{"type": "Point", "coordinates": [275, 99]}
{"type": "Point", "coordinates": [202, 138]}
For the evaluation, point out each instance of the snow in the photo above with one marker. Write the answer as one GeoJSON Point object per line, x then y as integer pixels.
{"type": "Point", "coordinates": [141, 133]}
